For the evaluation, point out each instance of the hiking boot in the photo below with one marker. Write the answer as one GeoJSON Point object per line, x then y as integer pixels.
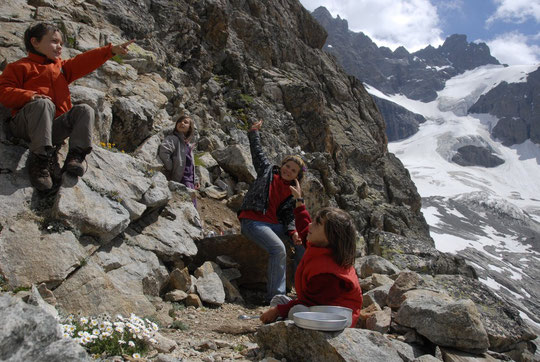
{"type": "Point", "coordinates": [74, 163]}
{"type": "Point", "coordinates": [38, 170]}
{"type": "Point", "coordinates": [54, 167]}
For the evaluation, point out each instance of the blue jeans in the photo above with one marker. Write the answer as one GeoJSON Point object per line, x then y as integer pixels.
{"type": "Point", "coordinates": [270, 237]}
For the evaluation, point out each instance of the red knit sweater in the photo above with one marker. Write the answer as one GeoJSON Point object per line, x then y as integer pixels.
{"type": "Point", "coordinates": [37, 74]}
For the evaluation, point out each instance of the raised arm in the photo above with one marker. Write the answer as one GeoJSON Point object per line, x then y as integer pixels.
{"type": "Point", "coordinates": [260, 162]}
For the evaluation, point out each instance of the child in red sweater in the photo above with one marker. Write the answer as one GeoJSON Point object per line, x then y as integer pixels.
{"type": "Point", "coordinates": [326, 274]}
{"type": "Point", "coordinates": [36, 90]}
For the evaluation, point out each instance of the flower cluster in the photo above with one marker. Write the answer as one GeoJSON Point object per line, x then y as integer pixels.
{"type": "Point", "coordinates": [110, 146]}
{"type": "Point", "coordinates": [103, 337]}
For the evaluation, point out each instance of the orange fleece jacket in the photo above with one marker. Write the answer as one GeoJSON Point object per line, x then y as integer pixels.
{"type": "Point", "coordinates": [36, 74]}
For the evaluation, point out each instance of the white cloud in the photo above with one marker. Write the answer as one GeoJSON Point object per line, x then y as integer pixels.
{"type": "Point", "coordinates": [411, 23]}
{"type": "Point", "coordinates": [516, 11]}
{"type": "Point", "coordinates": [515, 49]}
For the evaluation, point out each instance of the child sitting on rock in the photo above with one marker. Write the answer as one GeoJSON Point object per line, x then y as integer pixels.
{"type": "Point", "coordinates": [36, 90]}
{"type": "Point", "coordinates": [177, 154]}
{"type": "Point", "coordinates": [326, 274]}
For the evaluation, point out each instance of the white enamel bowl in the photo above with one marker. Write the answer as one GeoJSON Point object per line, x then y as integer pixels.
{"type": "Point", "coordinates": [344, 311]}
{"type": "Point", "coordinates": [320, 321]}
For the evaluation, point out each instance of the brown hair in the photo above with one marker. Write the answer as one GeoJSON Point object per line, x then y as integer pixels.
{"type": "Point", "coordinates": [341, 234]}
{"type": "Point", "coordinates": [299, 162]}
{"type": "Point", "coordinates": [191, 128]}
{"type": "Point", "coordinates": [38, 31]}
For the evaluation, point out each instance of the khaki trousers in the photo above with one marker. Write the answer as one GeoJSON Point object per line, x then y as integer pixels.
{"type": "Point", "coordinates": [36, 124]}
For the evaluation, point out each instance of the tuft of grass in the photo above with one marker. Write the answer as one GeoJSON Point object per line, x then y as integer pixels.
{"type": "Point", "coordinates": [178, 324]}
{"type": "Point", "coordinates": [20, 289]}
{"type": "Point", "coordinates": [246, 98]}
{"type": "Point", "coordinates": [198, 161]}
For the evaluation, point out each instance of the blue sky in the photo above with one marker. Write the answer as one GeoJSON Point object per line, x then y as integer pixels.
{"type": "Point", "coordinates": [511, 28]}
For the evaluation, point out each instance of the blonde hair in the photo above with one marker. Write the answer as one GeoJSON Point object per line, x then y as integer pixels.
{"type": "Point", "coordinates": [299, 162]}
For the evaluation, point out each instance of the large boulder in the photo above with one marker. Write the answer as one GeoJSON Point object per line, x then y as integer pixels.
{"type": "Point", "coordinates": [119, 278]}
{"type": "Point", "coordinates": [286, 340]}
{"type": "Point", "coordinates": [29, 333]}
{"type": "Point", "coordinates": [444, 321]}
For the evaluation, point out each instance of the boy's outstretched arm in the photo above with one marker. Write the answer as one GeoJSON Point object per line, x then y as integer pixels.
{"type": "Point", "coordinates": [122, 49]}
{"type": "Point", "coordinates": [87, 62]}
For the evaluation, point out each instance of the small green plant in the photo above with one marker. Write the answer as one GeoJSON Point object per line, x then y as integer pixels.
{"type": "Point", "coordinates": [178, 324]}
{"type": "Point", "coordinates": [71, 42]}
{"type": "Point", "coordinates": [246, 98]}
{"type": "Point", "coordinates": [198, 160]}
{"type": "Point", "coordinates": [118, 59]}
{"type": "Point", "coordinates": [102, 337]}
{"type": "Point", "coordinates": [3, 283]}
{"type": "Point", "coordinates": [175, 308]}
{"type": "Point", "coordinates": [20, 289]}
{"type": "Point", "coordinates": [239, 348]}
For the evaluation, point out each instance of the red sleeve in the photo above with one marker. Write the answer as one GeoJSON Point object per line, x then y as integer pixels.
{"type": "Point", "coordinates": [322, 289]}
{"type": "Point", "coordinates": [85, 63]}
{"type": "Point", "coordinates": [12, 95]}
{"type": "Point", "coordinates": [302, 221]}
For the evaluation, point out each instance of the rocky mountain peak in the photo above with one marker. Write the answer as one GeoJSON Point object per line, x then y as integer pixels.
{"type": "Point", "coordinates": [464, 55]}
{"type": "Point", "coordinates": [324, 18]}
{"type": "Point", "coordinates": [418, 75]}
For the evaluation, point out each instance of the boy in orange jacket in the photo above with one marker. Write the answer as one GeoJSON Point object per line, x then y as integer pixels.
{"type": "Point", "coordinates": [36, 90]}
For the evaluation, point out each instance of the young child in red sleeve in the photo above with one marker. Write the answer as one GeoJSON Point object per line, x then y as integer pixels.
{"type": "Point", "coordinates": [36, 90]}
{"type": "Point", "coordinates": [326, 274]}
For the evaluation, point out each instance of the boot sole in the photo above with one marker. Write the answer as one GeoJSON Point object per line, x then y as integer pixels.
{"type": "Point", "coordinates": [75, 171]}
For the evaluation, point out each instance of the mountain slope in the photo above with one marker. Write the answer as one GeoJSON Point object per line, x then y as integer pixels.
{"type": "Point", "coordinates": [491, 216]}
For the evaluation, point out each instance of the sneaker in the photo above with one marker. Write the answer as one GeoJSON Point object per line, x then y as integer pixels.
{"type": "Point", "coordinates": [74, 162]}
{"type": "Point", "coordinates": [38, 170]}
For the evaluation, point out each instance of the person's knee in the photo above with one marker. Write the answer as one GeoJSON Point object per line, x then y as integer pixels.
{"type": "Point", "coordinates": [44, 105]}
{"type": "Point", "coordinates": [84, 112]}
{"type": "Point", "coordinates": [278, 250]}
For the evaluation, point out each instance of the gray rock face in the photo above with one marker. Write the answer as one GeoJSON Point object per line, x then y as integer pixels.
{"type": "Point", "coordinates": [455, 324]}
{"type": "Point", "coordinates": [371, 264]}
{"type": "Point", "coordinates": [517, 106]}
{"type": "Point", "coordinates": [420, 256]}
{"type": "Point", "coordinates": [30, 334]}
{"type": "Point", "coordinates": [58, 255]}
{"type": "Point", "coordinates": [476, 156]}
{"type": "Point", "coordinates": [503, 325]}
{"type": "Point", "coordinates": [400, 122]}
{"type": "Point", "coordinates": [286, 340]}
